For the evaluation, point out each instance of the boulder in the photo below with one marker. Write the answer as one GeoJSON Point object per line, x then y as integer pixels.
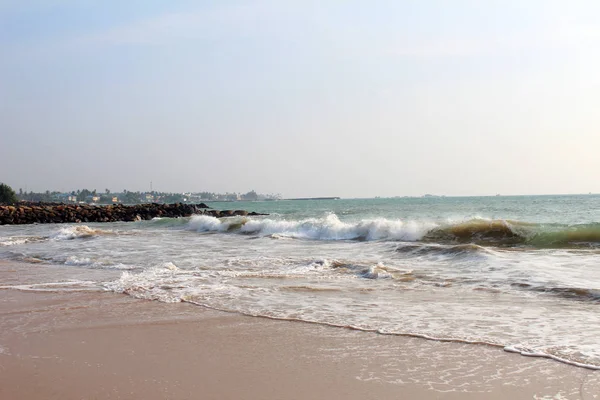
{"type": "Point", "coordinates": [28, 213]}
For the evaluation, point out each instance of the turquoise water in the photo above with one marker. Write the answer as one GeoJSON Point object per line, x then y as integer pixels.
{"type": "Point", "coordinates": [536, 221]}
{"type": "Point", "coordinates": [563, 209]}
{"type": "Point", "coordinates": [521, 273]}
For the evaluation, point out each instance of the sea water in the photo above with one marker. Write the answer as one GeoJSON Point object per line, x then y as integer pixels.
{"type": "Point", "coordinates": [521, 273]}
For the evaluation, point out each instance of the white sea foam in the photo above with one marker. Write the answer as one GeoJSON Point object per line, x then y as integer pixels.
{"type": "Point", "coordinates": [370, 296]}
{"type": "Point", "coordinates": [18, 240]}
{"type": "Point", "coordinates": [376, 272]}
{"type": "Point", "coordinates": [205, 223]}
{"type": "Point", "coordinates": [154, 283]}
{"type": "Point", "coordinates": [73, 260]}
{"type": "Point", "coordinates": [327, 228]}
{"type": "Point", "coordinates": [75, 232]}
{"type": "Point", "coordinates": [90, 263]}
{"type": "Point", "coordinates": [68, 286]}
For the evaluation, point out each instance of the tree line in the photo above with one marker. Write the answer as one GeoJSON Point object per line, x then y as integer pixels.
{"type": "Point", "coordinates": [9, 196]}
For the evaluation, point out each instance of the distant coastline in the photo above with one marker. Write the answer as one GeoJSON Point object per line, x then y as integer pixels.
{"type": "Point", "coordinates": [315, 198]}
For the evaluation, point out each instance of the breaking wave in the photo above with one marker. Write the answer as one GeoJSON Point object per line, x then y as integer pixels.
{"type": "Point", "coordinates": [466, 236]}
{"type": "Point", "coordinates": [517, 233]}
{"type": "Point", "coordinates": [328, 228]}
{"type": "Point", "coordinates": [66, 233]}
{"type": "Point", "coordinates": [77, 232]}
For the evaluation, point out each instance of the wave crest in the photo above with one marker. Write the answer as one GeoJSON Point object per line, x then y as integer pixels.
{"type": "Point", "coordinates": [476, 232]}
{"type": "Point", "coordinates": [327, 228]}
{"type": "Point", "coordinates": [76, 232]}
{"type": "Point", "coordinates": [512, 233]}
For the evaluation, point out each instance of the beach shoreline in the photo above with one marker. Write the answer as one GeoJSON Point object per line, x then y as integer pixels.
{"type": "Point", "coordinates": [100, 345]}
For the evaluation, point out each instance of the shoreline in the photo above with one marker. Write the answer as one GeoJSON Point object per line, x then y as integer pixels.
{"type": "Point", "coordinates": [507, 349]}
{"type": "Point", "coordinates": [80, 345]}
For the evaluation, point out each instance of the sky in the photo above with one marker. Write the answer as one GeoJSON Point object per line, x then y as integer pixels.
{"type": "Point", "coordinates": [301, 97]}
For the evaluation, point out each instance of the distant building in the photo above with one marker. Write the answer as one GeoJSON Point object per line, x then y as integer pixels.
{"type": "Point", "coordinates": [115, 199]}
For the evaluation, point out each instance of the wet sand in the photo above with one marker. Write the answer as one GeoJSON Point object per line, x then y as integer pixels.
{"type": "Point", "coordinates": [90, 345]}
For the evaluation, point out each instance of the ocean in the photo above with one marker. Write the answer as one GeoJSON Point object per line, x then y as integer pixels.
{"type": "Point", "coordinates": [520, 273]}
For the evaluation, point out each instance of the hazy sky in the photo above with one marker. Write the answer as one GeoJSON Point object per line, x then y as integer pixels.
{"type": "Point", "coordinates": [302, 98]}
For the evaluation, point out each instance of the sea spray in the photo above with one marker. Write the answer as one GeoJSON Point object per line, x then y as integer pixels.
{"type": "Point", "coordinates": [326, 228]}
{"type": "Point", "coordinates": [480, 232]}
{"type": "Point", "coordinates": [77, 232]}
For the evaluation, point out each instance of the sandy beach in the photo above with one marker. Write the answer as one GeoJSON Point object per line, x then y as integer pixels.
{"type": "Point", "coordinates": [278, 200]}
{"type": "Point", "coordinates": [90, 345]}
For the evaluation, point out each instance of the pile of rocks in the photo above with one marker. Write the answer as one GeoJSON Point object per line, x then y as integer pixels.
{"type": "Point", "coordinates": [30, 213]}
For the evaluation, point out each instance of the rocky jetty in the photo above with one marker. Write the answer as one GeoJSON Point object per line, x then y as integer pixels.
{"type": "Point", "coordinates": [31, 213]}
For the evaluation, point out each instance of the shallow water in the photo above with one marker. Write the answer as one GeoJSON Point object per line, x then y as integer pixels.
{"type": "Point", "coordinates": [520, 273]}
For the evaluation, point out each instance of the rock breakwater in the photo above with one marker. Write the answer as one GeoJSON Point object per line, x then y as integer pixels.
{"type": "Point", "coordinates": [42, 213]}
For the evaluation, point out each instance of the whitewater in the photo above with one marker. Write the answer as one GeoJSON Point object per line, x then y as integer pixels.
{"type": "Point", "coordinates": [519, 273]}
